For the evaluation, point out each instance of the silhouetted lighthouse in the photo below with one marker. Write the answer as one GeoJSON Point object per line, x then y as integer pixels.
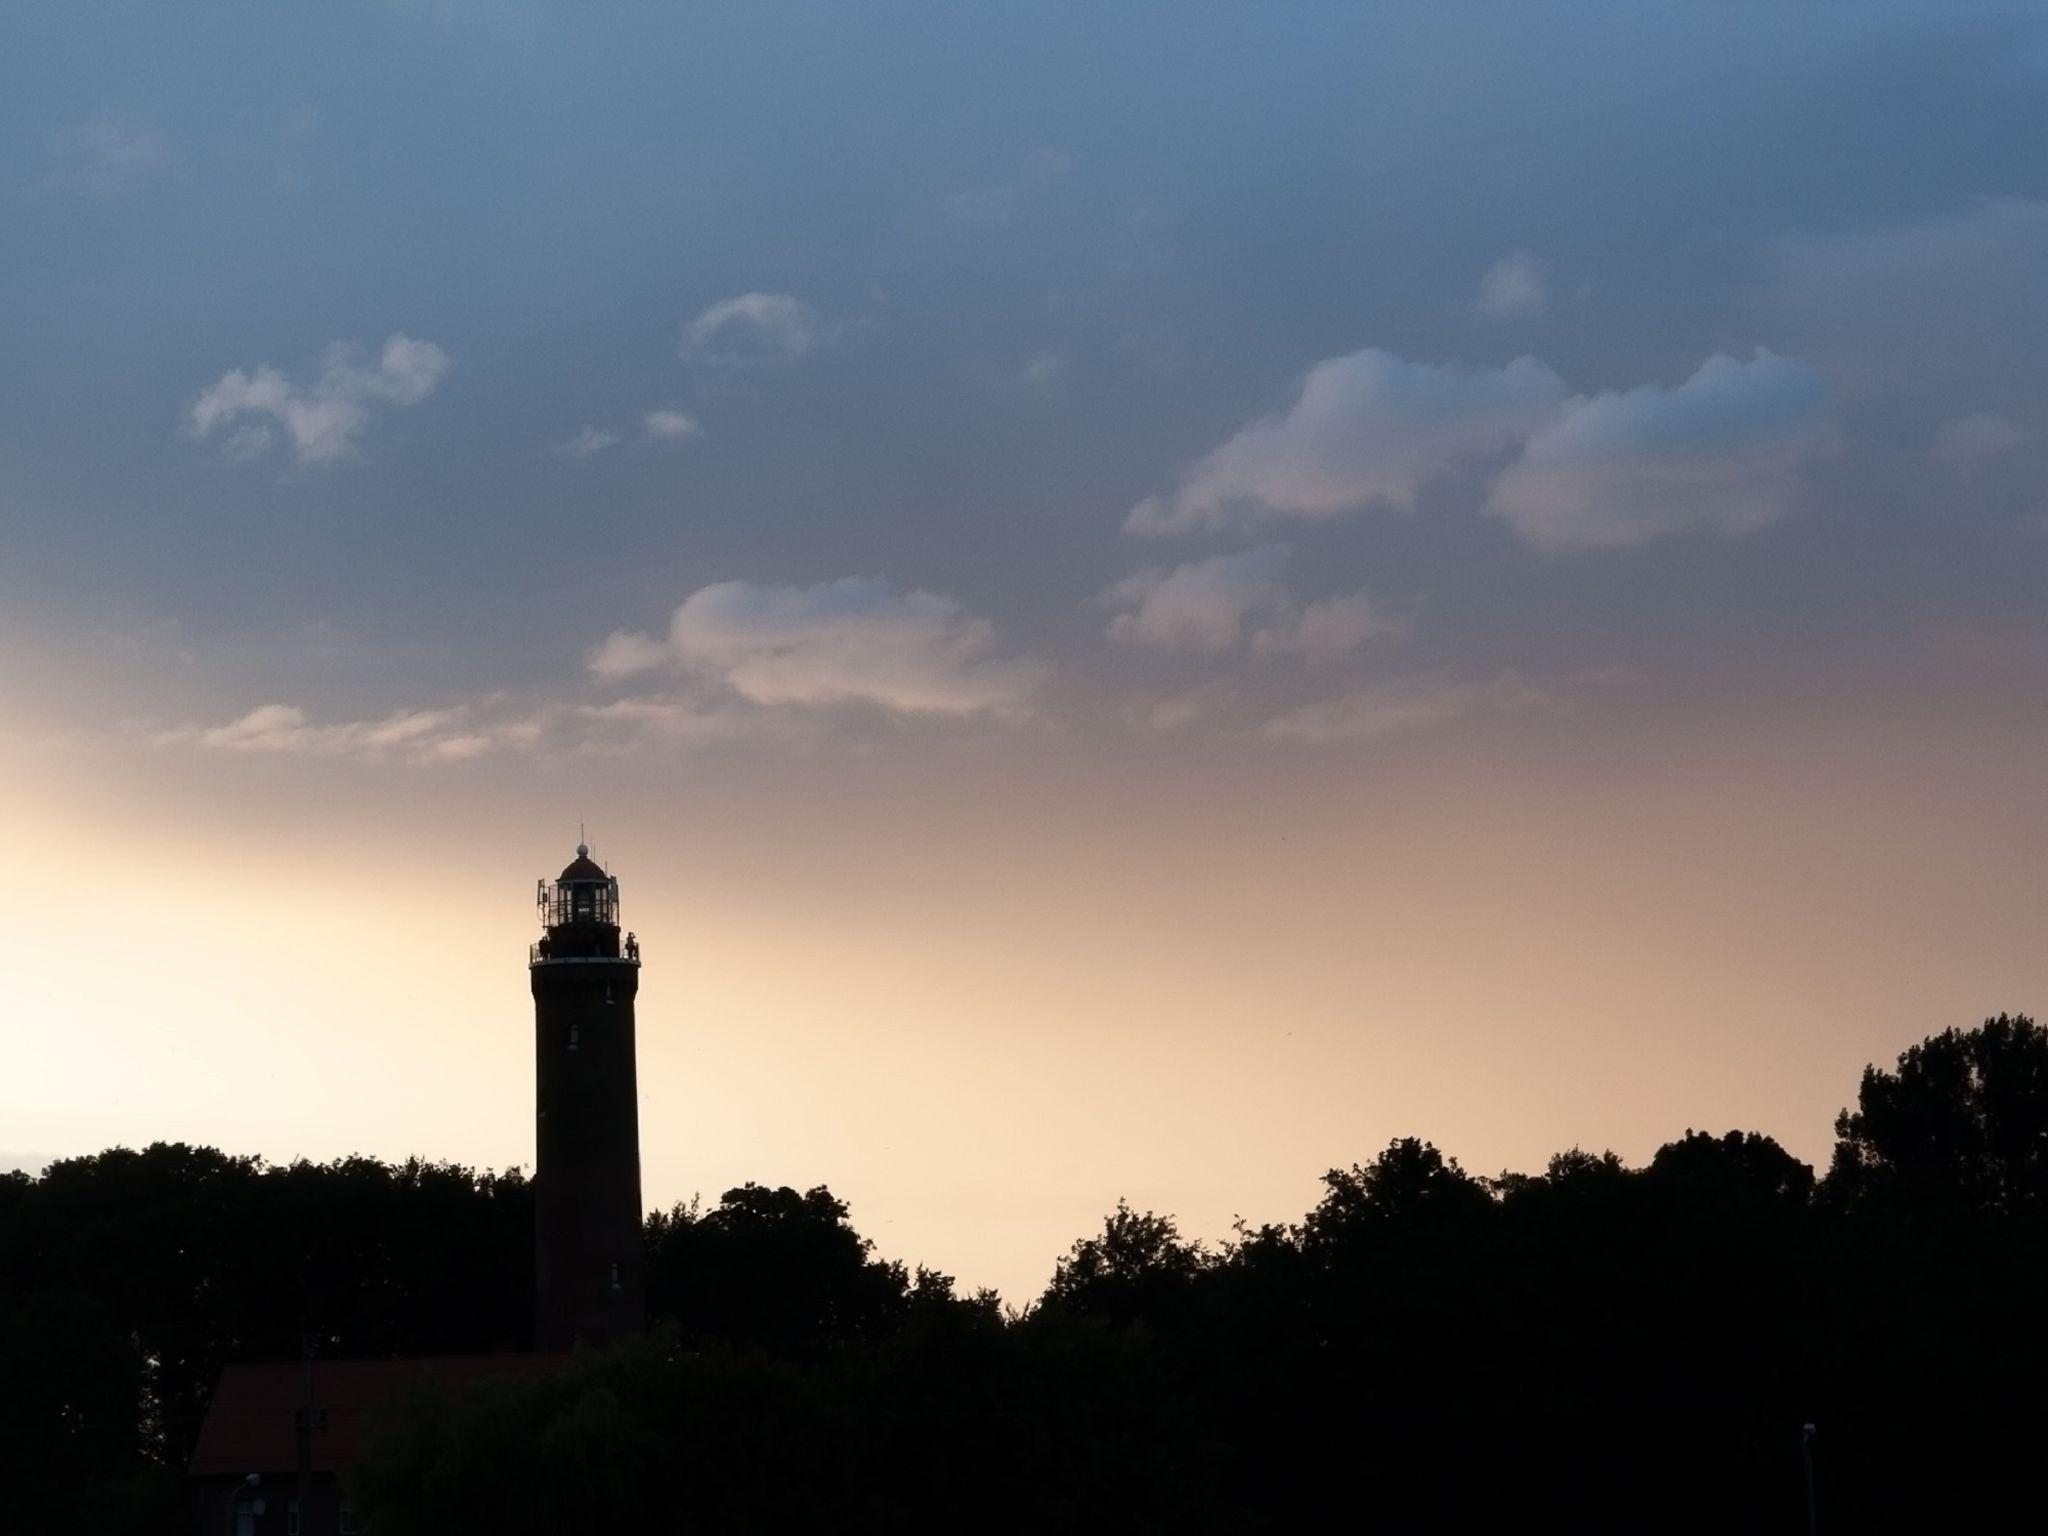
{"type": "Point", "coordinates": [587, 1272]}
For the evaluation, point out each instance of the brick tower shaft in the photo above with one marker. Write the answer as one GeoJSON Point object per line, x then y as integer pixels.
{"type": "Point", "coordinates": [589, 1284]}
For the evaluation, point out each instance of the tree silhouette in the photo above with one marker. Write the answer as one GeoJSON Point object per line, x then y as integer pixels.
{"type": "Point", "coordinates": [1135, 1267]}
{"type": "Point", "coordinates": [1962, 1124]}
{"type": "Point", "coordinates": [1594, 1347]}
{"type": "Point", "coordinates": [773, 1268]}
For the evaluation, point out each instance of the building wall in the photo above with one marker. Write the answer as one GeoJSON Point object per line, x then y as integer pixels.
{"type": "Point", "coordinates": [277, 1493]}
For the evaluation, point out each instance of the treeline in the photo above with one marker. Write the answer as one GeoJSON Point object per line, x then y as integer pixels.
{"type": "Point", "coordinates": [1593, 1348]}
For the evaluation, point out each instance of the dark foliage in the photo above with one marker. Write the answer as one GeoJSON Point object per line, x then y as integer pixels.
{"type": "Point", "coordinates": [1594, 1348]}
{"type": "Point", "coordinates": [770, 1268]}
{"type": "Point", "coordinates": [127, 1279]}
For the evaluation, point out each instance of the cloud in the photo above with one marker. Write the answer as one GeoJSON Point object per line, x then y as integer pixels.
{"type": "Point", "coordinates": [323, 418]}
{"type": "Point", "coordinates": [1928, 308]}
{"type": "Point", "coordinates": [1367, 427]}
{"type": "Point", "coordinates": [1970, 441]}
{"type": "Point", "coordinates": [750, 329]}
{"type": "Point", "coordinates": [1395, 709]}
{"type": "Point", "coordinates": [855, 640]}
{"type": "Point", "coordinates": [736, 657]}
{"type": "Point", "coordinates": [1200, 607]}
{"type": "Point", "coordinates": [1372, 712]}
{"type": "Point", "coordinates": [495, 725]}
{"type": "Point", "coordinates": [1209, 605]}
{"type": "Point", "coordinates": [415, 735]}
{"type": "Point", "coordinates": [1001, 202]}
{"type": "Point", "coordinates": [1333, 627]}
{"type": "Point", "coordinates": [104, 158]}
{"type": "Point", "coordinates": [1514, 288]}
{"type": "Point", "coordinates": [1721, 452]}
{"type": "Point", "coordinates": [673, 718]}
{"type": "Point", "coordinates": [670, 426]}
{"type": "Point", "coordinates": [590, 440]}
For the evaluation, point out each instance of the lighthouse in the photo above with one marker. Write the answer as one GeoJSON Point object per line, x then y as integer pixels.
{"type": "Point", "coordinates": [588, 1280]}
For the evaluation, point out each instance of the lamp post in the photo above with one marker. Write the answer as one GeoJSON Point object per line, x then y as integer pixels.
{"type": "Point", "coordinates": [1807, 1432]}
{"type": "Point", "coordinates": [245, 1487]}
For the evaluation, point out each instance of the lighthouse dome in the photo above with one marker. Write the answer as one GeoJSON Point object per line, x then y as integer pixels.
{"type": "Point", "coordinates": [583, 867]}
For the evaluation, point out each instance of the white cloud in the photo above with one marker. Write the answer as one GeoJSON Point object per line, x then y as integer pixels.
{"type": "Point", "coordinates": [666, 717]}
{"type": "Point", "coordinates": [1969, 441]}
{"type": "Point", "coordinates": [670, 426]}
{"type": "Point", "coordinates": [590, 440]}
{"type": "Point", "coordinates": [105, 157]}
{"type": "Point", "coordinates": [1372, 712]}
{"type": "Point", "coordinates": [497, 724]}
{"type": "Point", "coordinates": [1367, 427]}
{"type": "Point", "coordinates": [246, 443]}
{"type": "Point", "coordinates": [750, 328]}
{"type": "Point", "coordinates": [1395, 709]}
{"type": "Point", "coordinates": [1514, 288]}
{"type": "Point", "coordinates": [855, 640]}
{"type": "Point", "coordinates": [1333, 627]}
{"type": "Point", "coordinates": [1721, 452]}
{"type": "Point", "coordinates": [323, 418]}
{"type": "Point", "coordinates": [1200, 607]}
{"type": "Point", "coordinates": [416, 735]}
{"type": "Point", "coordinates": [1208, 605]}
{"type": "Point", "coordinates": [1178, 712]}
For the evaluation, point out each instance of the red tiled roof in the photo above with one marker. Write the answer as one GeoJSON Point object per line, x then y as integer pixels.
{"type": "Point", "coordinates": [251, 1424]}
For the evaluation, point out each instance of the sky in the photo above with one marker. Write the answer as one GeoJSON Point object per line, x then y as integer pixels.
{"type": "Point", "coordinates": [1141, 598]}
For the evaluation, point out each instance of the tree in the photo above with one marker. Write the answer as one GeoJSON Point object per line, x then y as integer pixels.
{"type": "Point", "coordinates": [1409, 1187]}
{"type": "Point", "coordinates": [1137, 1267]}
{"type": "Point", "coordinates": [771, 1268]}
{"type": "Point", "coordinates": [1961, 1125]}
{"type": "Point", "coordinates": [1738, 1167]}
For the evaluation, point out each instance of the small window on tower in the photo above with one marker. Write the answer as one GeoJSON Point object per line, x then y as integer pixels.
{"type": "Point", "coordinates": [608, 995]}
{"type": "Point", "coordinates": [575, 1032]}
{"type": "Point", "coordinates": [615, 1275]}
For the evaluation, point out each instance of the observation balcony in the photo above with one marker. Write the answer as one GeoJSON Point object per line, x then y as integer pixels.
{"type": "Point", "coordinates": [552, 951]}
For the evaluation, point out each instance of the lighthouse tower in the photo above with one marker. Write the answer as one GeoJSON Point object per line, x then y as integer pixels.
{"type": "Point", "coordinates": [587, 1267]}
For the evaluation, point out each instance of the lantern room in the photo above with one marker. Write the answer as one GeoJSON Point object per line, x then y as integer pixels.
{"type": "Point", "coordinates": [580, 912]}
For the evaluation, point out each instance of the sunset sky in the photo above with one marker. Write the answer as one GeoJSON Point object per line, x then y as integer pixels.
{"type": "Point", "coordinates": [1141, 598]}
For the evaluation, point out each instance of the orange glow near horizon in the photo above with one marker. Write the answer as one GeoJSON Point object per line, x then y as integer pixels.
{"type": "Point", "coordinates": [982, 999]}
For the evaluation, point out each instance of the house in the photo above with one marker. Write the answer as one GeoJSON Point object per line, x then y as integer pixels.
{"type": "Point", "coordinates": [279, 1431]}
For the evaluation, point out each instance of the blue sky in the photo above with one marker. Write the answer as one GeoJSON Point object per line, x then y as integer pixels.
{"type": "Point", "coordinates": [1041, 262]}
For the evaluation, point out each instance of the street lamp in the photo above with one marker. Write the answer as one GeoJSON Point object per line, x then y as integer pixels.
{"type": "Point", "coordinates": [1807, 1434]}
{"type": "Point", "coordinates": [243, 1489]}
